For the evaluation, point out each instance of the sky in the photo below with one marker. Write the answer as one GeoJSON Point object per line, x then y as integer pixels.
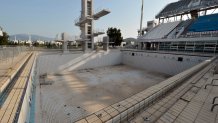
{"type": "Point", "coordinates": [50, 17]}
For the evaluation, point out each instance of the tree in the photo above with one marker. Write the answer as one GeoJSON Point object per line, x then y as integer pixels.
{"type": "Point", "coordinates": [115, 36]}
{"type": "Point", "coordinates": [4, 39]}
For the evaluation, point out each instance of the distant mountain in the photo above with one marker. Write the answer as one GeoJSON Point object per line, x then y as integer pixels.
{"type": "Point", "coordinates": [33, 37]}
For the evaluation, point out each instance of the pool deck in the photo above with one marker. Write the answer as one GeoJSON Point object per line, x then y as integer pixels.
{"type": "Point", "coordinates": [190, 103]}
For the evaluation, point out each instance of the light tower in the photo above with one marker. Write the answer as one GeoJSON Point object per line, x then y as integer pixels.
{"type": "Point", "coordinates": [1, 32]}
{"type": "Point", "coordinates": [141, 21]}
{"type": "Point", "coordinates": [86, 23]}
{"type": "Point", "coordinates": [30, 39]}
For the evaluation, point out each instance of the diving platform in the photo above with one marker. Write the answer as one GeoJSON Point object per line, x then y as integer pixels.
{"type": "Point", "coordinates": [83, 21]}
{"type": "Point", "coordinates": [95, 17]}
{"type": "Point", "coordinates": [101, 14]}
{"type": "Point", "coordinates": [80, 40]}
{"type": "Point", "coordinates": [98, 32]}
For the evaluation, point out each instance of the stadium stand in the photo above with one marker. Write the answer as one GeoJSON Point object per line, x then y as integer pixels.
{"type": "Point", "coordinates": [207, 2]}
{"type": "Point", "coordinates": [161, 31]}
{"type": "Point", "coordinates": [182, 27]}
{"type": "Point", "coordinates": [192, 101]}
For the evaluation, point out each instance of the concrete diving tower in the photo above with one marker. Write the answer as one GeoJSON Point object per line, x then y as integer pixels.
{"type": "Point", "coordinates": [86, 23]}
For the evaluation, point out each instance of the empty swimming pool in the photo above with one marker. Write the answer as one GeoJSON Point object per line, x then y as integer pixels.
{"type": "Point", "coordinates": [73, 86]}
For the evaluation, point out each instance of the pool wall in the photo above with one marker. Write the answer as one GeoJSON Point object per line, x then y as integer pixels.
{"type": "Point", "coordinates": [59, 62]}
{"type": "Point", "coordinates": [166, 63]}
{"type": "Point", "coordinates": [24, 116]}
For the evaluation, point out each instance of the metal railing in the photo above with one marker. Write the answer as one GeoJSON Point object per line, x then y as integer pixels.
{"type": "Point", "coordinates": [200, 34]}
{"type": "Point", "coordinates": [7, 54]}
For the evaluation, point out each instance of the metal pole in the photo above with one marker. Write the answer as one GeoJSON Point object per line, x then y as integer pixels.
{"type": "Point", "coordinates": [12, 58]}
{"type": "Point", "coordinates": [141, 18]}
{"type": "Point", "coordinates": [1, 32]}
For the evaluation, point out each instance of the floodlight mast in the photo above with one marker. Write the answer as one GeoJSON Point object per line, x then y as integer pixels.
{"type": "Point", "coordinates": [142, 12]}
{"type": "Point", "coordinates": [1, 32]}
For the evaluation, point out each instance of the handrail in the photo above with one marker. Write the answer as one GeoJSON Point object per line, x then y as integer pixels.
{"type": "Point", "coordinates": [214, 99]}
{"type": "Point", "coordinates": [213, 106]}
{"type": "Point", "coordinates": [213, 81]}
{"type": "Point", "coordinates": [211, 84]}
{"type": "Point", "coordinates": [205, 87]}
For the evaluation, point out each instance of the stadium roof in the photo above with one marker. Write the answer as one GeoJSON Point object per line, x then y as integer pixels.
{"type": "Point", "coordinates": [185, 6]}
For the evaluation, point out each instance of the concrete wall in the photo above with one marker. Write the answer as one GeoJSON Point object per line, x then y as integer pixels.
{"type": "Point", "coordinates": [52, 63]}
{"type": "Point", "coordinates": [160, 62]}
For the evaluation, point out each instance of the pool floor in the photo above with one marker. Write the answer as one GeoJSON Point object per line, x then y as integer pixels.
{"type": "Point", "coordinates": [69, 96]}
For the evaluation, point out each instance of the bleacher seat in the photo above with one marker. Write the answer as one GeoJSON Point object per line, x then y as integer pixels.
{"type": "Point", "coordinates": [180, 29]}
{"type": "Point", "coordinates": [205, 23]}
{"type": "Point", "coordinates": [161, 31]}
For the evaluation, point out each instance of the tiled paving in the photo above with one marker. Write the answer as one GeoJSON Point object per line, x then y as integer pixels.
{"type": "Point", "coordinates": [9, 68]}
{"type": "Point", "coordinates": [193, 106]}
{"type": "Point", "coordinates": [180, 99]}
{"type": "Point", "coordinates": [9, 108]}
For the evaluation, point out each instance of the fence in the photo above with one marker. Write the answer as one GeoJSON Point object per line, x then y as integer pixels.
{"type": "Point", "coordinates": [8, 54]}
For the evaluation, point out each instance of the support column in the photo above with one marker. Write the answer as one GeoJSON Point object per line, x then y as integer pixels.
{"type": "Point", "coordinates": [105, 43]}
{"type": "Point", "coordinates": [65, 44]}
{"type": "Point", "coordinates": [1, 32]}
